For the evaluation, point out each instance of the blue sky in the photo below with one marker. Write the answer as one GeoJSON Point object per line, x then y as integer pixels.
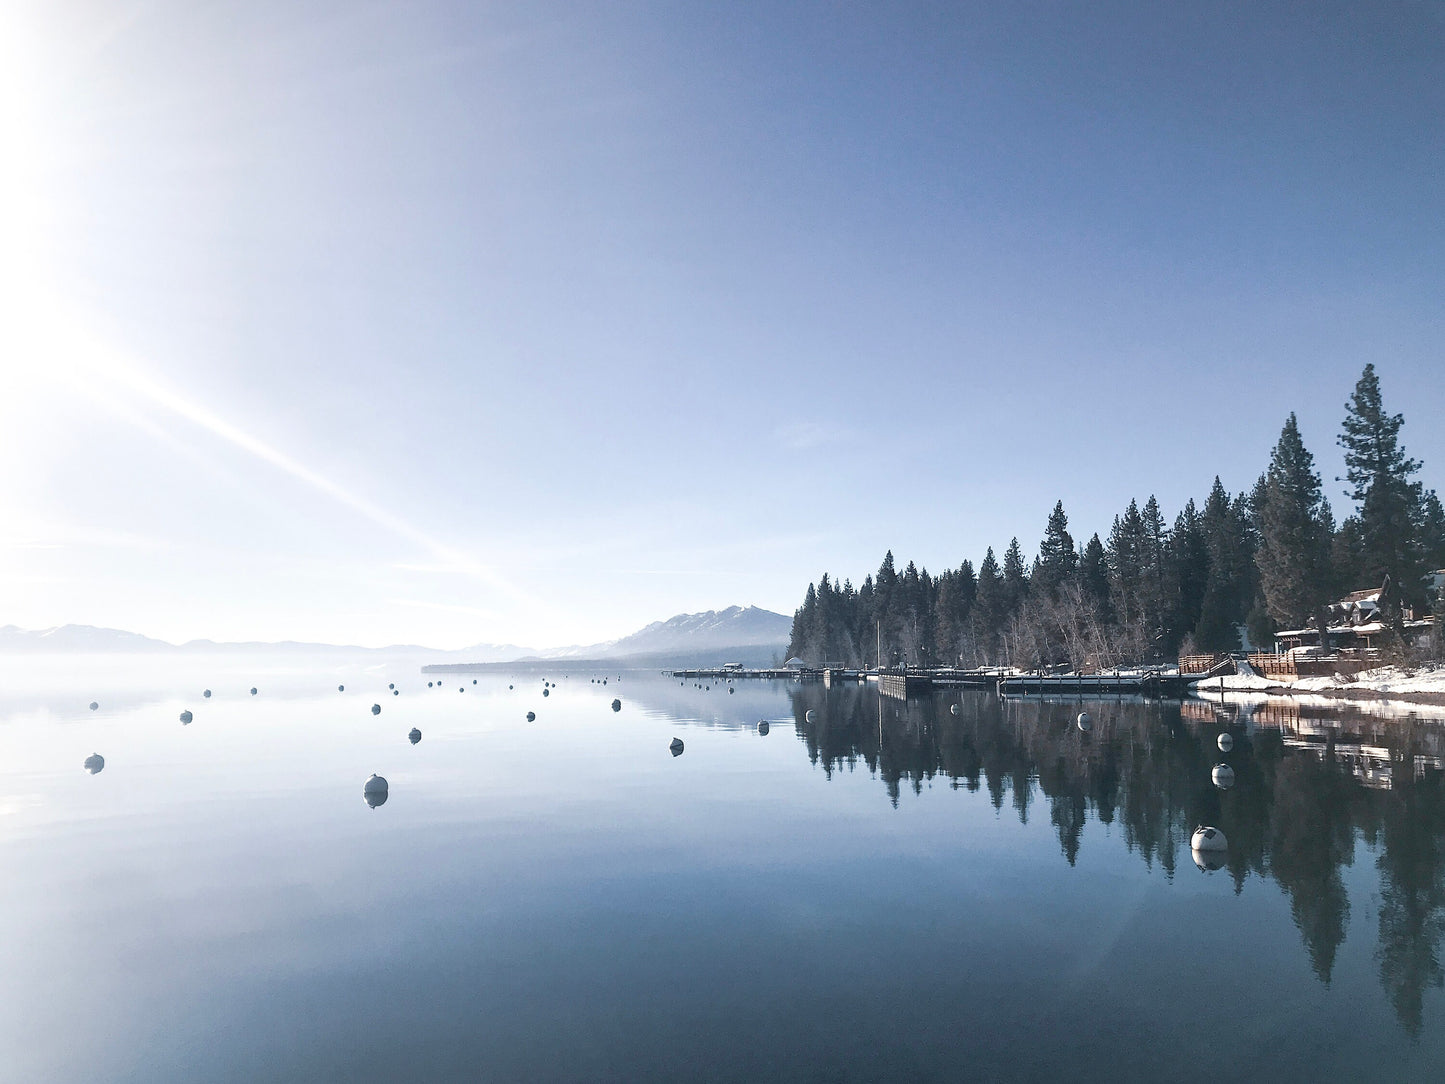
{"type": "Point", "coordinates": [454, 323]}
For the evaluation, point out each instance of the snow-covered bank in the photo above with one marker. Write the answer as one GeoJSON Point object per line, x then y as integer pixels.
{"type": "Point", "coordinates": [1425, 684]}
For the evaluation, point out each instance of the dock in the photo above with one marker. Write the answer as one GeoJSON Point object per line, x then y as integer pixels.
{"type": "Point", "coordinates": [1150, 683]}
{"type": "Point", "coordinates": [721, 673]}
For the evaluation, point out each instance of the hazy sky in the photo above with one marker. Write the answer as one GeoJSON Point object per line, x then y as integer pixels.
{"type": "Point", "coordinates": [452, 323]}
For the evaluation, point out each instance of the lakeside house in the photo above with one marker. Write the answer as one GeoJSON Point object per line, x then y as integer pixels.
{"type": "Point", "coordinates": [1357, 621]}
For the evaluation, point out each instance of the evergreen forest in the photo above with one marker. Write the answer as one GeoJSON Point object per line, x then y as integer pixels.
{"type": "Point", "coordinates": [1253, 562]}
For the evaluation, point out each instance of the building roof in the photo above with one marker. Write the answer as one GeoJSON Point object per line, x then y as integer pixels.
{"type": "Point", "coordinates": [1369, 595]}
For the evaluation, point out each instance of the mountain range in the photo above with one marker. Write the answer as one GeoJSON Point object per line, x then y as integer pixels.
{"type": "Point", "coordinates": [683, 636]}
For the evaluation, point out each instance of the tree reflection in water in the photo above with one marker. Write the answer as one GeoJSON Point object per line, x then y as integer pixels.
{"type": "Point", "coordinates": [1308, 785]}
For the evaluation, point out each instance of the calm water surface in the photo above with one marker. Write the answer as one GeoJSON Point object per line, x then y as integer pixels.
{"type": "Point", "coordinates": [952, 888]}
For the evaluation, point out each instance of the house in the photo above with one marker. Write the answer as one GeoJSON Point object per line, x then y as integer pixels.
{"type": "Point", "coordinates": [1355, 621]}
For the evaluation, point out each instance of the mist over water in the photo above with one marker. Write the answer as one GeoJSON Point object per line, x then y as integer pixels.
{"type": "Point", "coordinates": [893, 891]}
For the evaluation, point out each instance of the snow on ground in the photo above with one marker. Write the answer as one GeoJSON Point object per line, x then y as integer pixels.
{"type": "Point", "coordinates": [1395, 679]}
{"type": "Point", "coordinates": [1385, 681]}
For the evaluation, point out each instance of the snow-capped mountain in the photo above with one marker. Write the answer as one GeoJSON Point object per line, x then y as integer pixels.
{"type": "Point", "coordinates": [737, 626]}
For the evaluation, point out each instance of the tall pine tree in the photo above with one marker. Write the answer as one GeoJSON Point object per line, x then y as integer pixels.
{"type": "Point", "coordinates": [1379, 475]}
{"type": "Point", "coordinates": [1295, 528]}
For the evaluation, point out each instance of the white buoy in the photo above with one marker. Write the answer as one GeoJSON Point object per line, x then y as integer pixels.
{"type": "Point", "coordinates": [1226, 743]}
{"type": "Point", "coordinates": [808, 715]}
{"type": "Point", "coordinates": [953, 709]}
{"type": "Point", "coordinates": [414, 736]}
{"type": "Point", "coordinates": [376, 709]}
{"type": "Point", "coordinates": [763, 728]}
{"type": "Point", "coordinates": [1223, 776]}
{"type": "Point", "coordinates": [185, 718]}
{"type": "Point", "coordinates": [1085, 722]}
{"type": "Point", "coordinates": [676, 747]}
{"type": "Point", "coordinates": [375, 791]}
{"type": "Point", "coordinates": [1208, 839]}
{"type": "Point", "coordinates": [94, 763]}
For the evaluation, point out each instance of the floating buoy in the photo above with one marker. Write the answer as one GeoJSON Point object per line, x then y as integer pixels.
{"type": "Point", "coordinates": [1085, 721]}
{"type": "Point", "coordinates": [253, 690]}
{"type": "Point", "coordinates": [395, 692]}
{"type": "Point", "coordinates": [341, 688]}
{"type": "Point", "coordinates": [617, 705]}
{"type": "Point", "coordinates": [428, 684]}
{"type": "Point", "coordinates": [531, 716]}
{"type": "Point", "coordinates": [731, 690]}
{"type": "Point", "coordinates": [509, 686]}
{"type": "Point", "coordinates": [546, 692]}
{"type": "Point", "coordinates": [808, 715]}
{"type": "Point", "coordinates": [376, 709]}
{"type": "Point", "coordinates": [185, 718]}
{"type": "Point", "coordinates": [375, 791]}
{"type": "Point", "coordinates": [94, 763]}
{"type": "Point", "coordinates": [763, 727]}
{"type": "Point", "coordinates": [474, 681]}
{"type": "Point", "coordinates": [1208, 839]}
{"type": "Point", "coordinates": [414, 736]}
{"type": "Point", "coordinates": [392, 685]}
{"type": "Point", "coordinates": [953, 709]}
{"type": "Point", "coordinates": [94, 706]}
{"type": "Point", "coordinates": [1223, 776]}
{"type": "Point", "coordinates": [676, 747]}
{"type": "Point", "coordinates": [207, 694]}
{"type": "Point", "coordinates": [1226, 743]}
{"type": "Point", "coordinates": [461, 688]}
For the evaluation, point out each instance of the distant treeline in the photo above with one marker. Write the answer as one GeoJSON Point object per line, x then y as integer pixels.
{"type": "Point", "coordinates": [1266, 559]}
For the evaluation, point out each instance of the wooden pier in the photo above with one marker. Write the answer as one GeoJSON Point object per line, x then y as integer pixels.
{"type": "Point", "coordinates": [727, 673]}
{"type": "Point", "coordinates": [901, 684]}
{"type": "Point", "coordinates": [1149, 683]}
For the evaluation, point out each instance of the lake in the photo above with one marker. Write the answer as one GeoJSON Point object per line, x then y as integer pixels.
{"type": "Point", "coordinates": [955, 887]}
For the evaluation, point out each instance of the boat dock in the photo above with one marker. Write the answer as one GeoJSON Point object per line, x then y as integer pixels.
{"type": "Point", "coordinates": [903, 684]}
{"type": "Point", "coordinates": [1149, 683]}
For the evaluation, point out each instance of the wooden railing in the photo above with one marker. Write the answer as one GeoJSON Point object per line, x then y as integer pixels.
{"type": "Point", "coordinates": [1271, 665]}
{"type": "Point", "coordinates": [1199, 664]}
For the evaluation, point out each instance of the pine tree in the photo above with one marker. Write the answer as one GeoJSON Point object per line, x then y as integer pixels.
{"type": "Point", "coordinates": [1379, 473]}
{"type": "Point", "coordinates": [990, 607]}
{"type": "Point", "coordinates": [1094, 577]}
{"type": "Point", "coordinates": [1432, 531]}
{"type": "Point", "coordinates": [1188, 574]}
{"type": "Point", "coordinates": [1057, 556]}
{"type": "Point", "coordinates": [1153, 572]}
{"type": "Point", "coordinates": [1226, 590]}
{"type": "Point", "coordinates": [1294, 554]}
{"type": "Point", "coordinates": [1015, 579]}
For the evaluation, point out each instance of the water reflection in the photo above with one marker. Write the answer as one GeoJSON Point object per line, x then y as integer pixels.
{"type": "Point", "coordinates": [1295, 791]}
